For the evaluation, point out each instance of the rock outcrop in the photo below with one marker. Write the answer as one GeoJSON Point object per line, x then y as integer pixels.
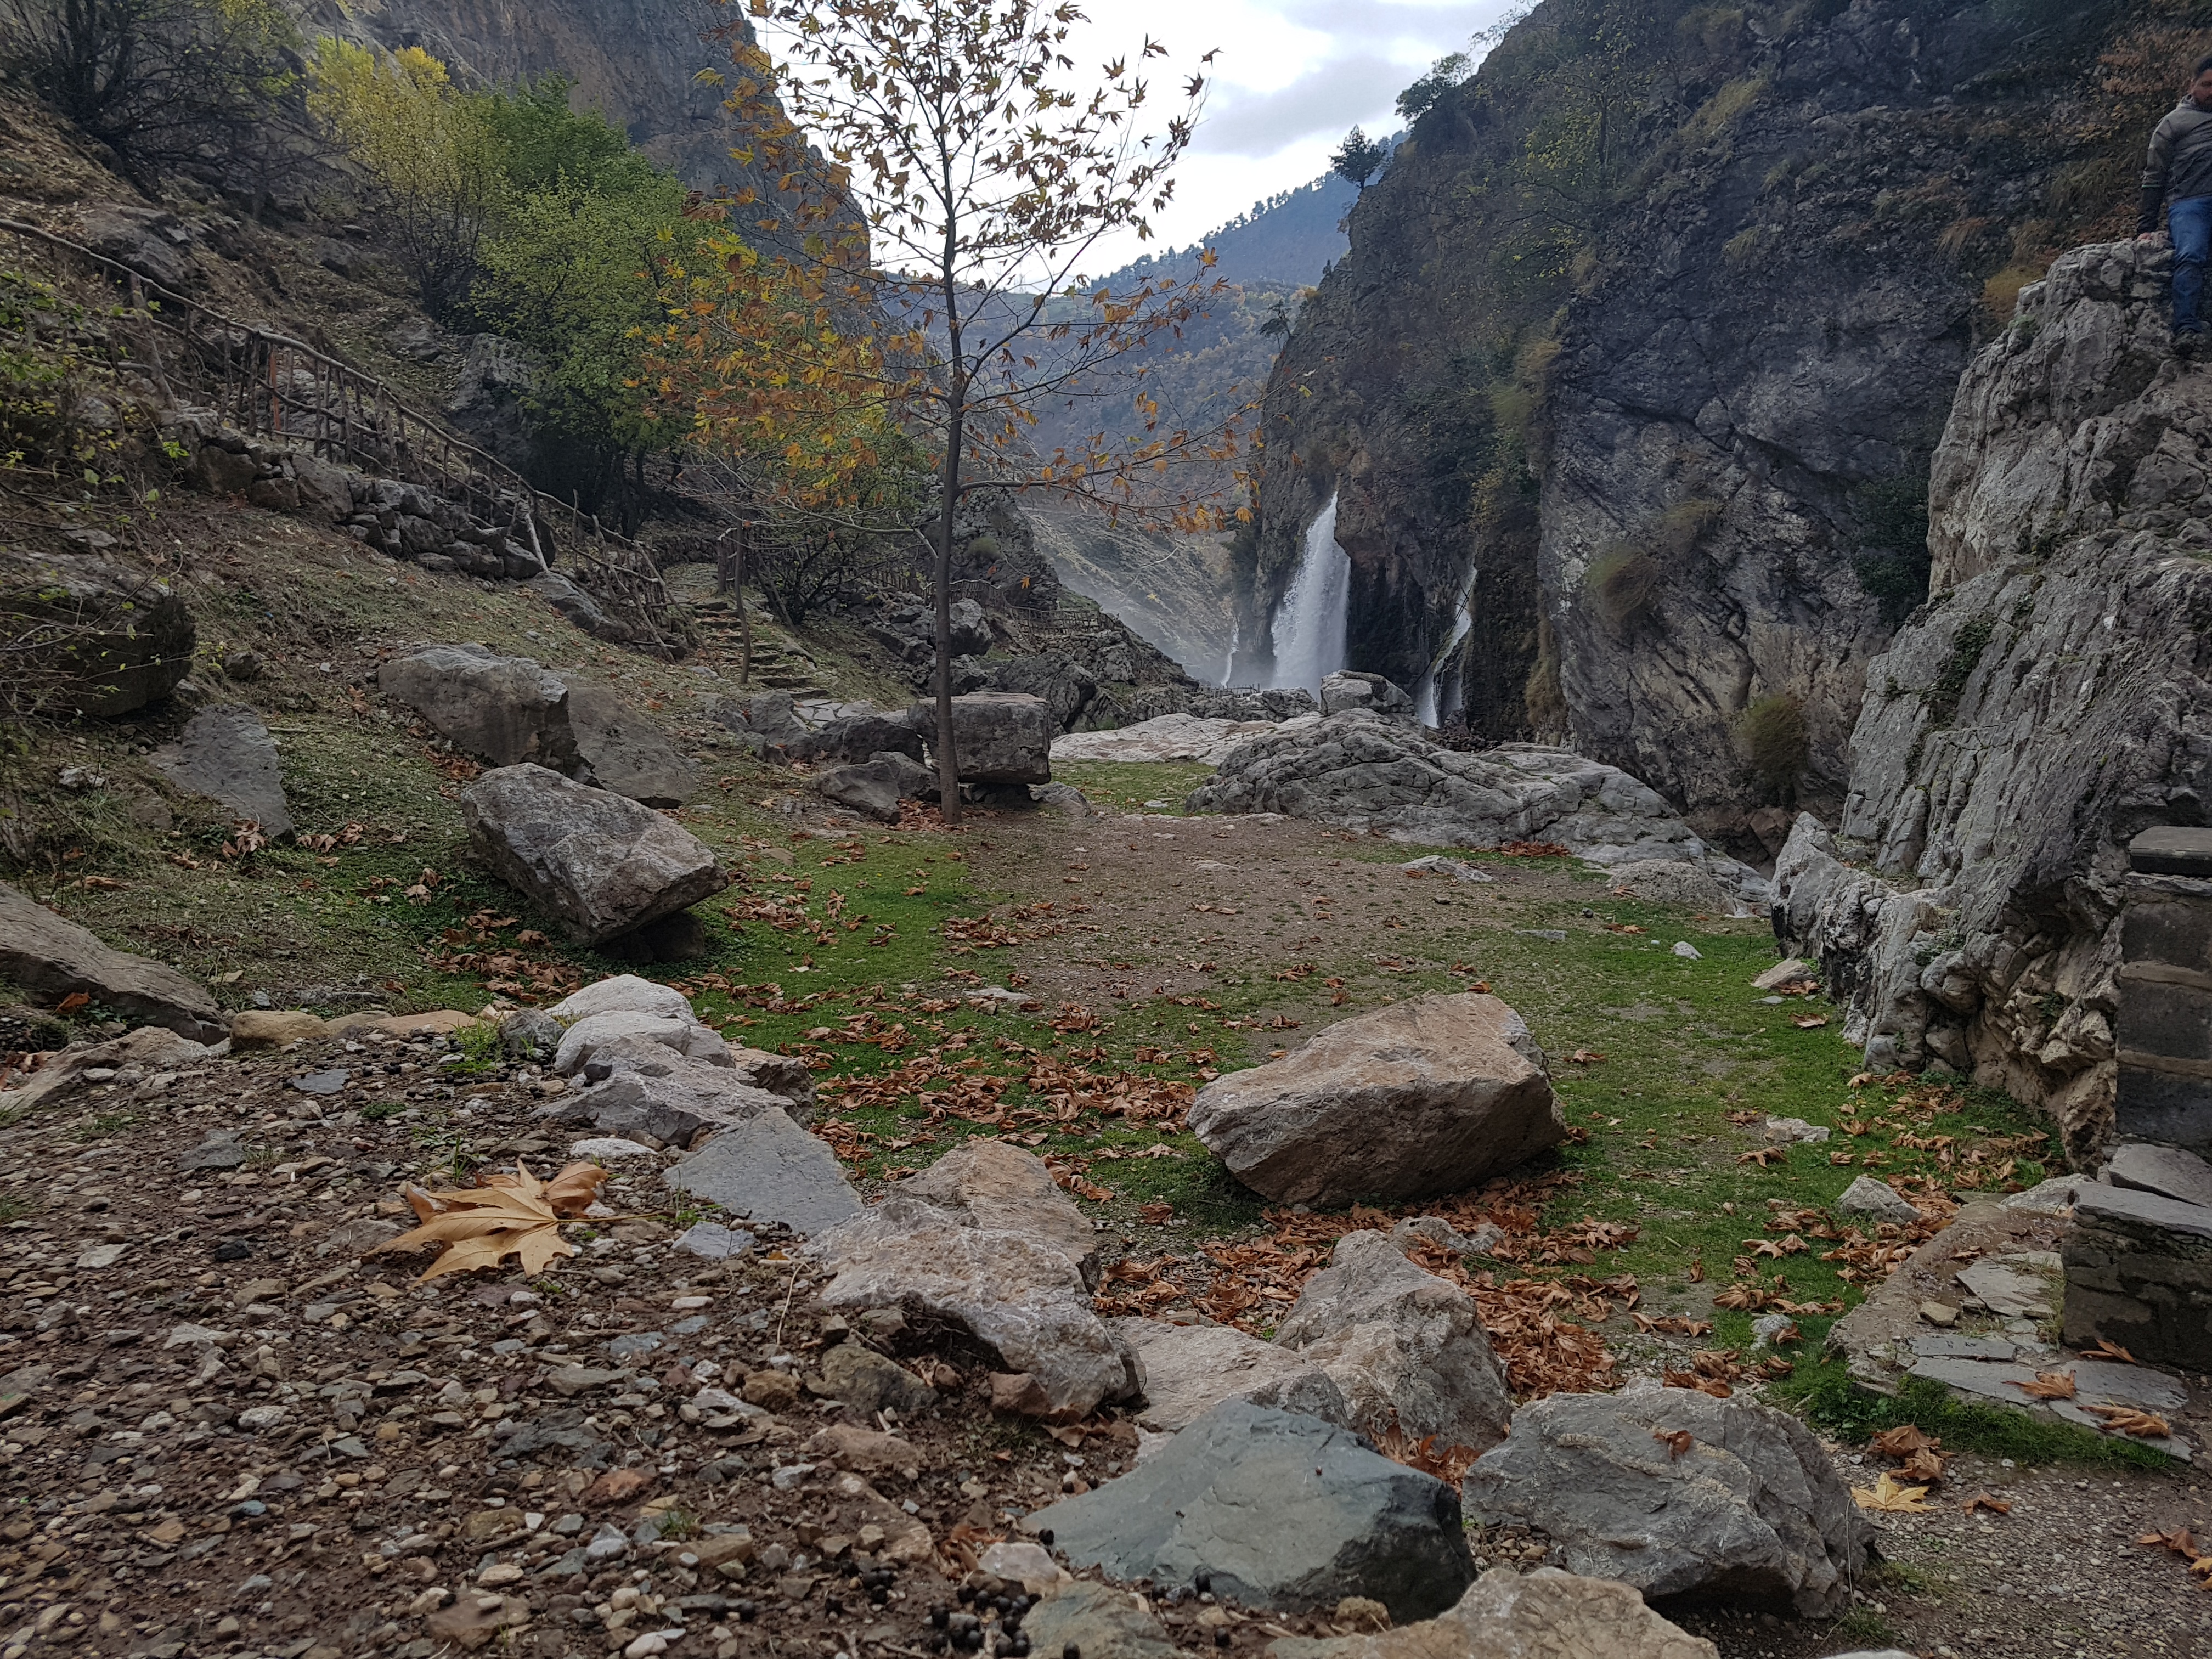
{"type": "Point", "coordinates": [227, 756]}
{"type": "Point", "coordinates": [2051, 701]}
{"type": "Point", "coordinates": [90, 637]}
{"type": "Point", "coordinates": [1363, 772]}
{"type": "Point", "coordinates": [1418, 1097]}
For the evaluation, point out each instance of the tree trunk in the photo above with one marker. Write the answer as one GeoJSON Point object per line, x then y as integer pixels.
{"type": "Point", "coordinates": [948, 759]}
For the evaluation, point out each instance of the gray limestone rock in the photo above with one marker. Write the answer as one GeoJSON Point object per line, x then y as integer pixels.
{"type": "Point", "coordinates": [768, 1168]}
{"type": "Point", "coordinates": [1023, 1298]}
{"type": "Point", "coordinates": [1878, 1199]}
{"type": "Point", "coordinates": [1097, 1621]}
{"type": "Point", "coordinates": [2139, 1272]}
{"type": "Point", "coordinates": [1407, 1348]}
{"type": "Point", "coordinates": [1751, 1510]}
{"type": "Point", "coordinates": [2167, 1171]}
{"type": "Point", "coordinates": [47, 954]}
{"type": "Point", "coordinates": [655, 1091]}
{"type": "Point", "coordinates": [1673, 881]}
{"type": "Point", "coordinates": [598, 864]}
{"type": "Point", "coordinates": [999, 737]}
{"type": "Point", "coordinates": [1509, 1614]}
{"type": "Point", "coordinates": [1188, 1370]}
{"type": "Point", "coordinates": [987, 1182]}
{"type": "Point", "coordinates": [499, 710]}
{"type": "Point", "coordinates": [1418, 1097]}
{"type": "Point", "coordinates": [1365, 773]}
{"type": "Point", "coordinates": [869, 786]}
{"type": "Point", "coordinates": [1281, 1509]}
{"type": "Point", "coordinates": [626, 750]}
{"type": "Point", "coordinates": [227, 756]}
{"type": "Point", "coordinates": [106, 639]}
{"type": "Point", "coordinates": [1370, 692]}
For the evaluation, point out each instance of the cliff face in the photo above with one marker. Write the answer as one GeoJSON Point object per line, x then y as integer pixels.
{"type": "Point", "coordinates": [635, 61]}
{"type": "Point", "coordinates": [2056, 700]}
{"type": "Point", "coordinates": [1654, 325]}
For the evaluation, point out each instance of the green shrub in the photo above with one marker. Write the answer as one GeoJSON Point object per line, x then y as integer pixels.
{"type": "Point", "coordinates": [1622, 579]}
{"type": "Point", "coordinates": [1950, 688]}
{"type": "Point", "coordinates": [1772, 736]}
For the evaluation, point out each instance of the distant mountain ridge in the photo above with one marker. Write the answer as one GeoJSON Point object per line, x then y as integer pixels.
{"type": "Point", "coordinates": [1289, 239]}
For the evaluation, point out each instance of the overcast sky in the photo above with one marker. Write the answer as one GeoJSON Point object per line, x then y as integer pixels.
{"type": "Point", "coordinates": [1291, 77]}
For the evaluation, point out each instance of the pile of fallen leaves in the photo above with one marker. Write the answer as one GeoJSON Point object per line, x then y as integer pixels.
{"type": "Point", "coordinates": [1250, 1284]}
{"type": "Point", "coordinates": [1921, 1462]}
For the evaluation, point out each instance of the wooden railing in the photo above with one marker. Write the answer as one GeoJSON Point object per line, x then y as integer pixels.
{"type": "Point", "coordinates": [269, 385]}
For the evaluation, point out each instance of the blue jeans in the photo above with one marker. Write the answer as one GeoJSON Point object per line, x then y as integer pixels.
{"type": "Point", "coordinates": [2190, 222]}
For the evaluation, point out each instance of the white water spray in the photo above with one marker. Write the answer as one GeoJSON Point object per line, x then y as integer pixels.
{"type": "Point", "coordinates": [1425, 694]}
{"type": "Point", "coordinates": [1309, 634]}
{"type": "Point", "coordinates": [1229, 662]}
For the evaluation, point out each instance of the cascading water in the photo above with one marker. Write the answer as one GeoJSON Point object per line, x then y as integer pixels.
{"type": "Point", "coordinates": [1309, 634]}
{"type": "Point", "coordinates": [1229, 663]}
{"type": "Point", "coordinates": [1425, 694]}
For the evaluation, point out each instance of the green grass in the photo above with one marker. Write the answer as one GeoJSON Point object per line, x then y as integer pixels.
{"type": "Point", "coordinates": [1127, 786]}
{"type": "Point", "coordinates": [1826, 1395]}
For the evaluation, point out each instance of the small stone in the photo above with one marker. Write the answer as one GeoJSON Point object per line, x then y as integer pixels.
{"type": "Point", "coordinates": [1796, 1130]}
{"type": "Point", "coordinates": [102, 1255]}
{"type": "Point", "coordinates": [1937, 1314]}
{"type": "Point", "coordinates": [1867, 1196]}
{"type": "Point", "coordinates": [772, 1390]}
{"type": "Point", "coordinates": [259, 1419]}
{"type": "Point", "coordinates": [712, 1242]}
{"type": "Point", "coordinates": [1687, 952]}
{"type": "Point", "coordinates": [320, 1083]}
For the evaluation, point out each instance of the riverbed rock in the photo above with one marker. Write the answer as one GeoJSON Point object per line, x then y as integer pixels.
{"type": "Point", "coordinates": [1360, 771]}
{"type": "Point", "coordinates": [1188, 1370]}
{"type": "Point", "coordinates": [227, 756]}
{"type": "Point", "coordinates": [104, 639]}
{"type": "Point", "coordinates": [1407, 1348]}
{"type": "Point", "coordinates": [501, 710]}
{"type": "Point", "coordinates": [653, 1089]}
{"type": "Point", "coordinates": [1869, 1197]}
{"type": "Point", "coordinates": [585, 1038]}
{"type": "Point", "coordinates": [623, 993]}
{"type": "Point", "coordinates": [597, 863]}
{"type": "Point", "coordinates": [1752, 1508]}
{"type": "Point", "coordinates": [1021, 1297]}
{"type": "Point", "coordinates": [1419, 1097]}
{"type": "Point", "coordinates": [767, 1168]}
{"type": "Point", "coordinates": [1281, 1510]}
{"type": "Point", "coordinates": [1511, 1614]}
{"type": "Point", "coordinates": [54, 957]}
{"type": "Point", "coordinates": [987, 1182]}
{"type": "Point", "coordinates": [1346, 690]}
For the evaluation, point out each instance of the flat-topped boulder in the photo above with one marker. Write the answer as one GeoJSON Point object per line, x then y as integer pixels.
{"type": "Point", "coordinates": [1000, 737]}
{"type": "Point", "coordinates": [501, 710]}
{"type": "Point", "coordinates": [226, 756]}
{"type": "Point", "coordinates": [1188, 1370]}
{"type": "Point", "coordinates": [1419, 1098]}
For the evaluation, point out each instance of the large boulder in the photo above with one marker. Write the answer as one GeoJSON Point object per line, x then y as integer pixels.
{"type": "Point", "coordinates": [1165, 738]}
{"type": "Point", "coordinates": [1188, 1370]}
{"type": "Point", "coordinates": [652, 1090]}
{"type": "Point", "coordinates": [1347, 690]}
{"type": "Point", "coordinates": [1750, 1509]}
{"type": "Point", "coordinates": [95, 639]}
{"type": "Point", "coordinates": [767, 1168]}
{"type": "Point", "coordinates": [52, 956]}
{"type": "Point", "coordinates": [1363, 772]}
{"type": "Point", "coordinates": [1509, 1614]}
{"type": "Point", "coordinates": [874, 787]}
{"type": "Point", "coordinates": [227, 756]}
{"type": "Point", "coordinates": [152, 241]}
{"type": "Point", "coordinates": [1281, 1509]}
{"type": "Point", "coordinates": [1407, 1348]}
{"type": "Point", "coordinates": [599, 864]}
{"type": "Point", "coordinates": [501, 710]}
{"type": "Point", "coordinates": [1419, 1098]}
{"type": "Point", "coordinates": [985, 1182]}
{"type": "Point", "coordinates": [1019, 1296]}
{"type": "Point", "coordinates": [625, 750]}
{"type": "Point", "coordinates": [1000, 737]}
{"type": "Point", "coordinates": [860, 737]}
{"type": "Point", "coordinates": [623, 993]}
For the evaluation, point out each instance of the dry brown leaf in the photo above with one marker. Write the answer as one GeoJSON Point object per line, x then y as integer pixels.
{"type": "Point", "coordinates": [2127, 1419]}
{"type": "Point", "coordinates": [1586, 1057]}
{"type": "Point", "coordinates": [1922, 1465]}
{"type": "Point", "coordinates": [2108, 1349]}
{"type": "Point", "coordinates": [2049, 1385]}
{"type": "Point", "coordinates": [2181, 1540]}
{"type": "Point", "coordinates": [1809, 1022]}
{"type": "Point", "coordinates": [479, 1227]}
{"type": "Point", "coordinates": [1676, 1441]}
{"type": "Point", "coordinates": [1982, 1500]}
{"type": "Point", "coordinates": [1903, 1441]}
{"type": "Point", "coordinates": [1887, 1495]}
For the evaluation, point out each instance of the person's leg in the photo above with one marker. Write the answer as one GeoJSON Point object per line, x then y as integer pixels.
{"type": "Point", "coordinates": [2190, 221]}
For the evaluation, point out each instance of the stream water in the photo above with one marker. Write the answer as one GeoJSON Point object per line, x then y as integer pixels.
{"type": "Point", "coordinates": [1309, 631]}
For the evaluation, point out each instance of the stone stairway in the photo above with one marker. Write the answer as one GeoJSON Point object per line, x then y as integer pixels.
{"type": "Point", "coordinates": [777, 665]}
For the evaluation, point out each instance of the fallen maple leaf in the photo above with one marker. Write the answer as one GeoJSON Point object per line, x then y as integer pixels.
{"type": "Point", "coordinates": [1761, 1156]}
{"type": "Point", "coordinates": [2108, 1349]}
{"type": "Point", "coordinates": [1922, 1466]}
{"type": "Point", "coordinates": [1887, 1495]}
{"type": "Point", "coordinates": [2128, 1419]}
{"type": "Point", "coordinates": [1809, 1022]}
{"type": "Point", "coordinates": [1676, 1441]}
{"type": "Point", "coordinates": [2049, 1385]}
{"type": "Point", "coordinates": [1903, 1441]}
{"type": "Point", "coordinates": [1585, 1057]}
{"type": "Point", "coordinates": [516, 1215]}
{"type": "Point", "coordinates": [1982, 1500]}
{"type": "Point", "coordinates": [2181, 1540]}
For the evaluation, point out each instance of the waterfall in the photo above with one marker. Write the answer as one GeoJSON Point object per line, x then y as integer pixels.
{"type": "Point", "coordinates": [1424, 694]}
{"type": "Point", "coordinates": [1309, 632]}
{"type": "Point", "coordinates": [1229, 663]}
